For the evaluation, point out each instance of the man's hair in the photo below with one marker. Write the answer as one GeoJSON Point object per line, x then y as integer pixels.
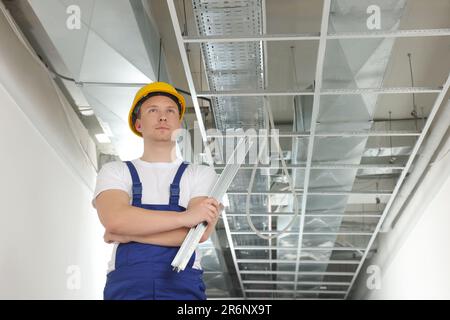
{"type": "Point", "coordinates": [137, 109]}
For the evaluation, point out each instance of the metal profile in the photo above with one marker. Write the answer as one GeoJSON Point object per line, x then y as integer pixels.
{"type": "Point", "coordinates": [305, 273]}
{"type": "Point", "coordinates": [298, 291]}
{"type": "Point", "coordinates": [304, 283]}
{"type": "Point", "coordinates": [306, 233]}
{"type": "Point", "coordinates": [399, 133]}
{"type": "Point", "coordinates": [317, 193]}
{"type": "Point", "coordinates": [295, 248]}
{"type": "Point", "coordinates": [278, 261]}
{"type": "Point", "coordinates": [322, 92]}
{"type": "Point", "coordinates": [314, 116]}
{"type": "Point", "coordinates": [330, 166]}
{"type": "Point", "coordinates": [284, 214]}
{"type": "Point", "coordinates": [316, 36]}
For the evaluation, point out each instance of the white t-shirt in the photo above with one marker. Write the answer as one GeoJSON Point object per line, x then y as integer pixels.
{"type": "Point", "coordinates": [156, 177]}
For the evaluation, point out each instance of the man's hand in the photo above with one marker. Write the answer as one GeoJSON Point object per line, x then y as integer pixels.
{"type": "Point", "coordinates": [206, 210]}
{"type": "Point", "coordinates": [111, 238]}
{"type": "Point", "coordinates": [211, 226]}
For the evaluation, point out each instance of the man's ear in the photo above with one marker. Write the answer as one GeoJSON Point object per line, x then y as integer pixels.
{"type": "Point", "coordinates": [137, 125]}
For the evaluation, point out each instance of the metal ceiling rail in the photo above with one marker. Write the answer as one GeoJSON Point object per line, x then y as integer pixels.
{"type": "Point", "coordinates": [265, 65]}
{"type": "Point", "coordinates": [232, 250]}
{"type": "Point", "coordinates": [314, 211]}
{"type": "Point", "coordinates": [267, 282]}
{"type": "Point", "coordinates": [276, 93]}
{"type": "Point", "coordinates": [303, 273]}
{"type": "Point", "coordinates": [314, 117]}
{"type": "Point", "coordinates": [304, 283]}
{"type": "Point", "coordinates": [295, 248]}
{"type": "Point", "coordinates": [391, 34]}
{"type": "Point", "coordinates": [306, 233]}
{"type": "Point", "coordinates": [330, 166]}
{"type": "Point", "coordinates": [266, 298]}
{"type": "Point", "coordinates": [284, 214]}
{"type": "Point", "coordinates": [357, 215]}
{"type": "Point", "coordinates": [269, 291]}
{"type": "Point", "coordinates": [373, 133]}
{"type": "Point", "coordinates": [316, 193]}
{"type": "Point", "coordinates": [298, 291]}
{"type": "Point", "coordinates": [278, 261]}
{"type": "Point", "coordinates": [386, 90]}
{"type": "Point", "coordinates": [316, 36]}
{"type": "Point", "coordinates": [187, 70]}
{"type": "Point", "coordinates": [363, 214]}
{"type": "Point", "coordinates": [392, 133]}
{"type": "Point", "coordinates": [252, 38]}
{"type": "Point", "coordinates": [415, 150]}
{"type": "Point", "coordinates": [355, 91]}
{"type": "Point", "coordinates": [253, 93]}
{"type": "Point", "coordinates": [110, 84]}
{"type": "Point", "coordinates": [266, 93]}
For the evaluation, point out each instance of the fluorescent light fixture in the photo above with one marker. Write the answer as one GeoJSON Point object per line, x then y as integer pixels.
{"type": "Point", "coordinates": [87, 112]}
{"type": "Point", "coordinates": [102, 138]}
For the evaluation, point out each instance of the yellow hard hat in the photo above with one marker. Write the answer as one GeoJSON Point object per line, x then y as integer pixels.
{"type": "Point", "coordinates": [145, 91]}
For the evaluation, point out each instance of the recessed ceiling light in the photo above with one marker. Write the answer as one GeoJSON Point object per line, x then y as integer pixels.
{"type": "Point", "coordinates": [102, 138]}
{"type": "Point", "coordinates": [87, 112]}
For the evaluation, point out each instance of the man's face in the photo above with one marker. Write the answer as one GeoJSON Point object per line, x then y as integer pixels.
{"type": "Point", "coordinates": [159, 118]}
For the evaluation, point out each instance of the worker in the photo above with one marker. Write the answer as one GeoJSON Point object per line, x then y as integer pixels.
{"type": "Point", "coordinates": [148, 205]}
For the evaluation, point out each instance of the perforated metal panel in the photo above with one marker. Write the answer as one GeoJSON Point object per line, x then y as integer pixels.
{"type": "Point", "coordinates": [232, 66]}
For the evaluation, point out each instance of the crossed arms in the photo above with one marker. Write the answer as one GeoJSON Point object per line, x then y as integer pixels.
{"type": "Point", "coordinates": [124, 223]}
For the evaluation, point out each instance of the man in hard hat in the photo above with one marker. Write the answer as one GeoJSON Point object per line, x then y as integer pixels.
{"type": "Point", "coordinates": [147, 205]}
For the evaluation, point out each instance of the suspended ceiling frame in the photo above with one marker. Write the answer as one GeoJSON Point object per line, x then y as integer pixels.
{"type": "Point", "coordinates": [322, 37]}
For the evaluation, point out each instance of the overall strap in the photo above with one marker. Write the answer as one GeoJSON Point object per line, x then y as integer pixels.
{"type": "Point", "coordinates": [175, 185]}
{"type": "Point", "coordinates": [137, 185]}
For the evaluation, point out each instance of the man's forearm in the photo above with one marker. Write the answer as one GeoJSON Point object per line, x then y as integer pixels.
{"type": "Point", "coordinates": [152, 226]}
{"type": "Point", "coordinates": [134, 221]}
{"type": "Point", "coordinates": [172, 238]}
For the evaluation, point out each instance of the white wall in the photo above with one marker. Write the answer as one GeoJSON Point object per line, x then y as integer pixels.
{"type": "Point", "coordinates": [47, 170]}
{"type": "Point", "coordinates": [414, 257]}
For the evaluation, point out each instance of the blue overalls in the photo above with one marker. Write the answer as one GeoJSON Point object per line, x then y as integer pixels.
{"type": "Point", "coordinates": [143, 271]}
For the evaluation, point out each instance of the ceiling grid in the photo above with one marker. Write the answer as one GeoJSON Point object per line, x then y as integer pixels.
{"type": "Point", "coordinates": [311, 259]}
